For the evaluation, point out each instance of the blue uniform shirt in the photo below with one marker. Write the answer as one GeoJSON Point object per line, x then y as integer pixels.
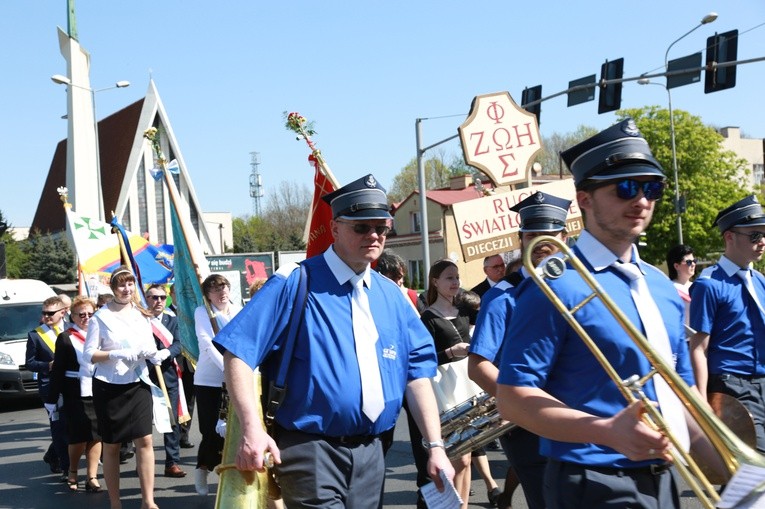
{"type": "Point", "coordinates": [493, 321]}
{"type": "Point", "coordinates": [543, 351]}
{"type": "Point", "coordinates": [323, 382]}
{"type": "Point", "coordinates": [722, 307]}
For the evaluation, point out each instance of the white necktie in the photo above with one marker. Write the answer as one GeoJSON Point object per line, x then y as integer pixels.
{"type": "Point", "coordinates": [746, 275]}
{"type": "Point", "coordinates": [656, 333]}
{"type": "Point", "coordinates": [365, 335]}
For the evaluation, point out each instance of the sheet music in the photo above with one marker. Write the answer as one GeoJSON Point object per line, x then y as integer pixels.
{"type": "Point", "coordinates": [448, 499]}
{"type": "Point", "coordinates": [746, 479]}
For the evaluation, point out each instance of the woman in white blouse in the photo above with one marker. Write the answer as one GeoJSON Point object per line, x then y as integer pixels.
{"type": "Point", "coordinates": [208, 378]}
{"type": "Point", "coordinates": [119, 341]}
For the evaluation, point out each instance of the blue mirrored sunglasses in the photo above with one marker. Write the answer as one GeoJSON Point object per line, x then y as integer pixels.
{"type": "Point", "coordinates": [627, 189]}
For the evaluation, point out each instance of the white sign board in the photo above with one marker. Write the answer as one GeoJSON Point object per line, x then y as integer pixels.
{"type": "Point", "coordinates": [500, 138]}
{"type": "Point", "coordinates": [486, 226]}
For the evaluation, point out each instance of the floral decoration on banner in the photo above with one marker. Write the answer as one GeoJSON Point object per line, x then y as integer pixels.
{"type": "Point", "coordinates": [297, 123]}
{"type": "Point", "coordinates": [152, 134]}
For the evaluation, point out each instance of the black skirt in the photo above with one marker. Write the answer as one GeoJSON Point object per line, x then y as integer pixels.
{"type": "Point", "coordinates": [124, 412]}
{"type": "Point", "coordinates": [81, 423]}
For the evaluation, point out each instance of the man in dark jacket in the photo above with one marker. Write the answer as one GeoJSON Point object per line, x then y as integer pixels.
{"type": "Point", "coordinates": [165, 329]}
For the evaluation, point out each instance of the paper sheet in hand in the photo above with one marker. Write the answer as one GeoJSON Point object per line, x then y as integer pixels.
{"type": "Point", "coordinates": [447, 499]}
{"type": "Point", "coordinates": [747, 478]}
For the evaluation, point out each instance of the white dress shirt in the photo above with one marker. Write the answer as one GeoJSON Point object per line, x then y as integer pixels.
{"type": "Point", "coordinates": [108, 331]}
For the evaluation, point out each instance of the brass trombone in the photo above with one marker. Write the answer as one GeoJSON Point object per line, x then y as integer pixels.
{"type": "Point", "coordinates": [732, 450]}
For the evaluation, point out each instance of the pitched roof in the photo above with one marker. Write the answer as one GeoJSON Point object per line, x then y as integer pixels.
{"type": "Point", "coordinates": [114, 150]}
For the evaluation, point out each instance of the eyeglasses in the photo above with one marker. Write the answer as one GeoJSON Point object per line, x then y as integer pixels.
{"type": "Point", "coordinates": [85, 315]}
{"type": "Point", "coordinates": [495, 267]}
{"type": "Point", "coordinates": [158, 297]}
{"type": "Point", "coordinates": [754, 237]}
{"type": "Point", "coordinates": [627, 189]}
{"type": "Point", "coordinates": [690, 263]}
{"type": "Point", "coordinates": [52, 313]}
{"type": "Point", "coordinates": [363, 228]}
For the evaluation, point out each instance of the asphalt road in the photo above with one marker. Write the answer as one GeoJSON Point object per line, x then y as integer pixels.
{"type": "Point", "coordinates": [26, 482]}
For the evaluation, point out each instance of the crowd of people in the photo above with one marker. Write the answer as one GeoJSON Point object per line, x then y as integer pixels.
{"type": "Point", "coordinates": [342, 348]}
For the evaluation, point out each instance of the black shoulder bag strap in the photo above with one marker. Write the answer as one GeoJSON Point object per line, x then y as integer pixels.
{"type": "Point", "coordinates": [277, 388]}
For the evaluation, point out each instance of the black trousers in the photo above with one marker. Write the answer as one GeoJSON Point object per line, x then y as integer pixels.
{"type": "Point", "coordinates": [208, 410]}
{"type": "Point", "coordinates": [522, 449]}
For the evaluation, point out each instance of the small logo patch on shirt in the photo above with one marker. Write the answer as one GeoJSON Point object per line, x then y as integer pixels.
{"type": "Point", "coordinates": [390, 352]}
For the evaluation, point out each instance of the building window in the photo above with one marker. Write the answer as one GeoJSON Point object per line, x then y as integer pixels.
{"type": "Point", "coordinates": [415, 275]}
{"type": "Point", "coordinates": [415, 222]}
{"type": "Point", "coordinates": [758, 172]}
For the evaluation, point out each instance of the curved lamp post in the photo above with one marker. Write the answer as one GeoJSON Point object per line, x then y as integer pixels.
{"type": "Point", "coordinates": [709, 18]}
{"type": "Point", "coordinates": [60, 79]}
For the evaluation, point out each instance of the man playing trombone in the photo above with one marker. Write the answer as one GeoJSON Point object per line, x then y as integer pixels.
{"type": "Point", "coordinates": [541, 214]}
{"type": "Point", "coordinates": [600, 452]}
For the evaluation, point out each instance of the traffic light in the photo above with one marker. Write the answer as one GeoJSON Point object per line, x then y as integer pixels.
{"type": "Point", "coordinates": [530, 95]}
{"type": "Point", "coordinates": [721, 48]}
{"type": "Point", "coordinates": [610, 98]}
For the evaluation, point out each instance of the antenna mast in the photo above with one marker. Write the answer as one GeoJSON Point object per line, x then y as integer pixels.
{"type": "Point", "coordinates": [256, 184]}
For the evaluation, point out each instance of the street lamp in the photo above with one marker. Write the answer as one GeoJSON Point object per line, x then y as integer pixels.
{"type": "Point", "coordinates": [709, 18]}
{"type": "Point", "coordinates": [60, 79]}
{"type": "Point", "coordinates": [220, 231]}
{"type": "Point", "coordinates": [678, 208]}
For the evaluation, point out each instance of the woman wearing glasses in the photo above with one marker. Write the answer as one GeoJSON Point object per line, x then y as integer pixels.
{"type": "Point", "coordinates": [208, 378]}
{"type": "Point", "coordinates": [72, 378]}
{"type": "Point", "coordinates": [119, 341]}
{"type": "Point", "coordinates": [681, 265]}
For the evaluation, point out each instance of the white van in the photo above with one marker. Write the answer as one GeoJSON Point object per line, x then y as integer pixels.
{"type": "Point", "coordinates": [20, 311]}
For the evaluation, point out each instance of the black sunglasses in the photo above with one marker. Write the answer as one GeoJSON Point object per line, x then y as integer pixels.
{"type": "Point", "coordinates": [363, 228]}
{"type": "Point", "coordinates": [85, 314]}
{"type": "Point", "coordinates": [754, 237]}
{"type": "Point", "coordinates": [690, 263]}
{"type": "Point", "coordinates": [51, 313]}
{"type": "Point", "coordinates": [627, 189]}
{"type": "Point", "coordinates": [158, 297]}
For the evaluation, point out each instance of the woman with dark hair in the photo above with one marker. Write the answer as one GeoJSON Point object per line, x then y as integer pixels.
{"type": "Point", "coordinates": [451, 335]}
{"type": "Point", "coordinates": [118, 342]}
{"type": "Point", "coordinates": [681, 266]}
{"type": "Point", "coordinates": [72, 378]}
{"type": "Point", "coordinates": [208, 377]}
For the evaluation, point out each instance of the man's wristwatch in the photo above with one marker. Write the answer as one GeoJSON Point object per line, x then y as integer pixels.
{"type": "Point", "coordinates": [431, 445]}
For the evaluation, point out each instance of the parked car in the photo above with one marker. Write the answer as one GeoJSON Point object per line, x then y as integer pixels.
{"type": "Point", "coordinates": [20, 307]}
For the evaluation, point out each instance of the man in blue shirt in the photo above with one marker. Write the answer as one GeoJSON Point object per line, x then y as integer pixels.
{"type": "Point", "coordinates": [600, 452]}
{"type": "Point", "coordinates": [728, 348]}
{"type": "Point", "coordinates": [327, 445]}
{"type": "Point", "coordinates": [540, 214]}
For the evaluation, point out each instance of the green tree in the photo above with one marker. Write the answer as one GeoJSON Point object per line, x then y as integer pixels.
{"type": "Point", "coordinates": [14, 257]}
{"type": "Point", "coordinates": [281, 226]}
{"type": "Point", "coordinates": [437, 174]}
{"type": "Point", "coordinates": [49, 259]}
{"type": "Point", "coordinates": [554, 144]}
{"type": "Point", "coordinates": [710, 179]}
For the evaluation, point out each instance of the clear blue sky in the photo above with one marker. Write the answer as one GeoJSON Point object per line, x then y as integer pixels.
{"type": "Point", "coordinates": [363, 71]}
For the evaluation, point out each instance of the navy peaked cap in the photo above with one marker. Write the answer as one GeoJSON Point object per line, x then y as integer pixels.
{"type": "Point", "coordinates": [542, 212]}
{"type": "Point", "coordinates": [746, 212]}
{"type": "Point", "coordinates": [364, 198]}
{"type": "Point", "coordinates": [617, 152]}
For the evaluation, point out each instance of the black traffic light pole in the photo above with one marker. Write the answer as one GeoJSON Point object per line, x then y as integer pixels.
{"type": "Point", "coordinates": [604, 83]}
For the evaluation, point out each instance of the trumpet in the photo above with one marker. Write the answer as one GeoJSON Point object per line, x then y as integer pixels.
{"type": "Point", "coordinates": [733, 452]}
